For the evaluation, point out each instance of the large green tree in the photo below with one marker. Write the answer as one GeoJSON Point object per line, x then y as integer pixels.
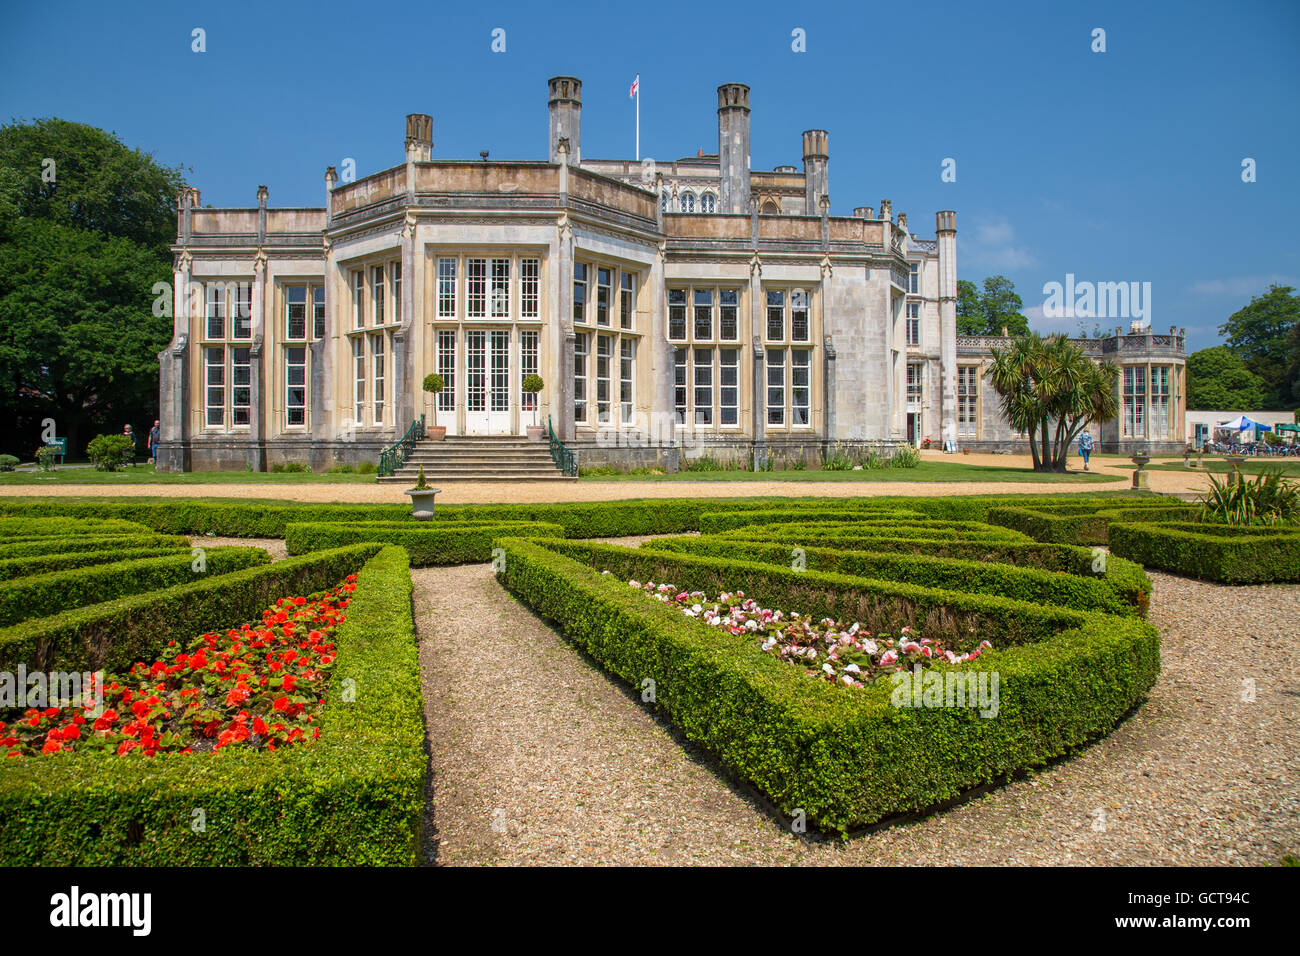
{"type": "Point", "coordinates": [990, 311]}
{"type": "Point", "coordinates": [1217, 378]}
{"type": "Point", "coordinates": [1050, 390]}
{"type": "Point", "coordinates": [1261, 334]}
{"type": "Point", "coordinates": [85, 224]}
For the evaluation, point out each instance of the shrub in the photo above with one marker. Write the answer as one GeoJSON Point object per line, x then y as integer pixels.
{"type": "Point", "coordinates": [8, 462]}
{"type": "Point", "coordinates": [1225, 553]}
{"type": "Point", "coordinates": [906, 457]}
{"type": "Point", "coordinates": [110, 452]}
{"type": "Point", "coordinates": [1266, 499]}
{"type": "Point", "coordinates": [17, 529]}
{"type": "Point", "coordinates": [52, 544]}
{"type": "Point", "coordinates": [41, 595]}
{"type": "Point", "coordinates": [436, 543]}
{"type": "Point", "coordinates": [356, 796]}
{"type": "Point", "coordinates": [845, 759]}
{"type": "Point", "coordinates": [45, 563]}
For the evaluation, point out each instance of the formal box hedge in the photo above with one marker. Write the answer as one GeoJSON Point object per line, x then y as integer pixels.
{"type": "Point", "coordinates": [427, 542]}
{"type": "Point", "coordinates": [41, 595]}
{"type": "Point", "coordinates": [1212, 552]}
{"type": "Point", "coordinates": [1081, 524]}
{"type": "Point", "coordinates": [1084, 592]}
{"type": "Point", "coordinates": [45, 563]}
{"type": "Point", "coordinates": [844, 758]}
{"type": "Point", "coordinates": [115, 634]}
{"type": "Point", "coordinates": [353, 797]}
{"type": "Point", "coordinates": [34, 547]}
{"type": "Point", "coordinates": [717, 522]}
{"type": "Point", "coordinates": [843, 531]}
{"type": "Point", "coordinates": [24, 528]}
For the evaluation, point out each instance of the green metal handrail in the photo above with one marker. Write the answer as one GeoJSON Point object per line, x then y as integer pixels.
{"type": "Point", "coordinates": [565, 458]}
{"type": "Point", "coordinates": [395, 455]}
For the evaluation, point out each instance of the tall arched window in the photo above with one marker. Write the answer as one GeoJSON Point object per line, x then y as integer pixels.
{"type": "Point", "coordinates": [707, 202]}
{"type": "Point", "coordinates": [665, 199]}
{"type": "Point", "coordinates": [769, 208]}
{"type": "Point", "coordinates": [688, 201]}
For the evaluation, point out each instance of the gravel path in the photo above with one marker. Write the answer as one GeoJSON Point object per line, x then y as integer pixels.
{"type": "Point", "coordinates": [538, 758]}
{"type": "Point", "coordinates": [273, 546]}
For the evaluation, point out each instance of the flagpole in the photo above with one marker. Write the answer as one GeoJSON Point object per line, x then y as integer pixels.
{"type": "Point", "coordinates": [638, 117]}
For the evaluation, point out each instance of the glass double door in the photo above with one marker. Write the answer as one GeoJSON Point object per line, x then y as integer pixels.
{"type": "Point", "coordinates": [487, 382]}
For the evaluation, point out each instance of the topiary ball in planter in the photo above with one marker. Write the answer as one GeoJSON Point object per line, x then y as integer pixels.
{"type": "Point", "coordinates": [433, 384]}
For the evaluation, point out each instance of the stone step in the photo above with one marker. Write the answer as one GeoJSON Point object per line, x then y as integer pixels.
{"type": "Point", "coordinates": [409, 480]}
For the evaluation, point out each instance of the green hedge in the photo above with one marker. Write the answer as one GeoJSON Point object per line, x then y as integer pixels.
{"type": "Point", "coordinates": [41, 595]}
{"type": "Point", "coordinates": [845, 758]}
{"type": "Point", "coordinates": [36, 547]}
{"type": "Point", "coordinates": [45, 563]}
{"type": "Point", "coordinates": [1076, 524]}
{"type": "Point", "coordinates": [240, 518]}
{"type": "Point", "coordinates": [713, 522]}
{"type": "Point", "coordinates": [353, 797]}
{"type": "Point", "coordinates": [1210, 552]}
{"type": "Point", "coordinates": [19, 529]}
{"type": "Point", "coordinates": [427, 543]}
{"type": "Point", "coordinates": [1083, 593]}
{"type": "Point", "coordinates": [115, 634]}
{"type": "Point", "coordinates": [842, 531]}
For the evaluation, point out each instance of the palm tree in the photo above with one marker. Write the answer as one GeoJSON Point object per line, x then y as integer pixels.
{"type": "Point", "coordinates": [1051, 390]}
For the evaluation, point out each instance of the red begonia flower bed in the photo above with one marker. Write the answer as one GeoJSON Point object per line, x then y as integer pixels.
{"type": "Point", "coordinates": [260, 685]}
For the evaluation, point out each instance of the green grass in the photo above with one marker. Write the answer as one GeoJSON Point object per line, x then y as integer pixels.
{"type": "Point", "coordinates": [925, 471]}
{"type": "Point", "coordinates": [1289, 466]}
{"type": "Point", "coordinates": [145, 474]}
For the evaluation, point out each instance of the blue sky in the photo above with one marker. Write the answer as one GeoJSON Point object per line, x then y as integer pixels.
{"type": "Point", "coordinates": [1115, 166]}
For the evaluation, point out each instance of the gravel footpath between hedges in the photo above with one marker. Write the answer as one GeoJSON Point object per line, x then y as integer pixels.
{"type": "Point", "coordinates": [273, 546]}
{"type": "Point", "coordinates": [539, 758]}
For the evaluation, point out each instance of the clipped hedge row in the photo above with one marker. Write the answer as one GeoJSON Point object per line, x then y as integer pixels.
{"type": "Point", "coordinates": [842, 531]}
{"type": "Point", "coordinates": [427, 543]}
{"type": "Point", "coordinates": [845, 758]}
{"type": "Point", "coordinates": [353, 797]}
{"type": "Point", "coordinates": [115, 634]}
{"type": "Point", "coordinates": [20, 529]}
{"type": "Point", "coordinates": [1084, 593]}
{"type": "Point", "coordinates": [35, 547]}
{"type": "Point", "coordinates": [1211, 552]}
{"type": "Point", "coordinates": [41, 595]}
{"type": "Point", "coordinates": [714, 522]}
{"type": "Point", "coordinates": [1076, 524]}
{"type": "Point", "coordinates": [267, 519]}
{"type": "Point", "coordinates": [45, 563]}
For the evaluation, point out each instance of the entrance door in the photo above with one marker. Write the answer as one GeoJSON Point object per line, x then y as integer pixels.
{"type": "Point", "coordinates": [487, 382]}
{"type": "Point", "coordinates": [911, 428]}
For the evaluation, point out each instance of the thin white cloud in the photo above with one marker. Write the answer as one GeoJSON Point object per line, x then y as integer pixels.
{"type": "Point", "coordinates": [991, 244]}
{"type": "Point", "coordinates": [1239, 287]}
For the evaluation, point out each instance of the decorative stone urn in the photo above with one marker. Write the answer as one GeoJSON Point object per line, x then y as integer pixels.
{"type": "Point", "coordinates": [536, 432]}
{"type": "Point", "coordinates": [1141, 479]}
{"type": "Point", "coordinates": [1234, 476]}
{"type": "Point", "coordinates": [422, 498]}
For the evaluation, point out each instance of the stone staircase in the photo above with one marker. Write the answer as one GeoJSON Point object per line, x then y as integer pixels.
{"type": "Point", "coordinates": [479, 458]}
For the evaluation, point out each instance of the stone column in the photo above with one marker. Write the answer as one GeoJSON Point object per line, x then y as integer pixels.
{"type": "Point", "coordinates": [562, 413]}
{"type": "Point", "coordinates": [828, 357]}
{"type": "Point", "coordinates": [946, 229]}
{"type": "Point", "coordinates": [404, 388]}
{"type": "Point", "coordinates": [758, 382]}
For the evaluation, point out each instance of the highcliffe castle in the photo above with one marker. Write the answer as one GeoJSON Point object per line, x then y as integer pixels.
{"type": "Point", "coordinates": [688, 308]}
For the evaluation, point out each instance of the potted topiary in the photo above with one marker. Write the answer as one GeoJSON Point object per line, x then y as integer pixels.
{"type": "Point", "coordinates": [433, 384]}
{"type": "Point", "coordinates": [532, 385]}
{"type": "Point", "coordinates": [422, 497]}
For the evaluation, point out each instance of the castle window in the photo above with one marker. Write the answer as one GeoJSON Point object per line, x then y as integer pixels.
{"type": "Point", "coordinates": [679, 384]}
{"type": "Point", "coordinates": [358, 299]}
{"type": "Point", "coordinates": [687, 200]}
{"type": "Point", "coordinates": [214, 382]}
{"type": "Point", "coordinates": [580, 377]}
{"type": "Point", "coordinates": [500, 287]}
{"type": "Point", "coordinates": [579, 292]}
{"type": "Point", "coordinates": [295, 386]}
{"type": "Point", "coordinates": [665, 200]}
{"type": "Point", "coordinates": [476, 288]}
{"type": "Point", "coordinates": [915, 389]}
{"type": "Point", "coordinates": [318, 312]}
{"type": "Point", "coordinates": [530, 271]}
{"type": "Point", "coordinates": [770, 208]}
{"type": "Point", "coordinates": [677, 315]}
{"type": "Point", "coordinates": [358, 379]}
{"type": "Point", "coordinates": [729, 386]}
{"type": "Point", "coordinates": [603, 281]}
{"type": "Point", "coordinates": [800, 380]}
{"type": "Point", "coordinates": [604, 353]}
{"type": "Point", "coordinates": [216, 312]}
{"type": "Point", "coordinates": [729, 321]}
{"type": "Point", "coordinates": [296, 313]}
{"type": "Point", "coordinates": [528, 346]}
{"type": "Point", "coordinates": [447, 369]}
{"type": "Point", "coordinates": [377, 295]}
{"type": "Point", "coordinates": [776, 386]}
{"type": "Point", "coordinates": [967, 400]}
{"type": "Point", "coordinates": [703, 315]}
{"type": "Point", "coordinates": [626, 367]}
{"type": "Point", "coordinates": [1160, 401]}
{"type": "Point", "coordinates": [243, 311]}
{"type": "Point", "coordinates": [704, 387]}
{"type": "Point", "coordinates": [447, 288]}
{"type": "Point", "coordinates": [776, 316]}
{"type": "Point", "coordinates": [626, 300]}
{"type": "Point", "coordinates": [799, 315]}
{"type": "Point", "coordinates": [914, 323]}
{"type": "Point", "coordinates": [396, 272]}
{"type": "Point", "coordinates": [241, 386]}
{"type": "Point", "coordinates": [707, 203]}
{"type": "Point", "coordinates": [380, 364]}
{"type": "Point", "coordinates": [914, 278]}
{"type": "Point", "coordinates": [1135, 401]}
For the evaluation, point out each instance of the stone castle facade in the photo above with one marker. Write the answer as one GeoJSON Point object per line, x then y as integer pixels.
{"type": "Point", "coordinates": [698, 307]}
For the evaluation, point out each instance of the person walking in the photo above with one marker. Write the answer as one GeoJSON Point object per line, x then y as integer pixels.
{"type": "Point", "coordinates": [153, 443]}
{"type": "Point", "coordinates": [1085, 447]}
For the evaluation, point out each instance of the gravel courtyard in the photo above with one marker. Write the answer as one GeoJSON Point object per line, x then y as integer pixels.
{"type": "Point", "coordinates": [538, 758]}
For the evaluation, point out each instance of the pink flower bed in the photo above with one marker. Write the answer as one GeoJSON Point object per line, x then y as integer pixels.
{"type": "Point", "coordinates": [827, 649]}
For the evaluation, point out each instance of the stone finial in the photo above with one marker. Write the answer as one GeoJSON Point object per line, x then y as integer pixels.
{"type": "Point", "coordinates": [886, 210]}
{"type": "Point", "coordinates": [262, 195]}
{"type": "Point", "coordinates": [824, 204]}
{"type": "Point", "coordinates": [902, 221]}
{"type": "Point", "coordinates": [331, 177]}
{"type": "Point", "coordinates": [945, 221]}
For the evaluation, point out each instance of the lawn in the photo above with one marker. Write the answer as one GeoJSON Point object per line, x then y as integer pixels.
{"type": "Point", "coordinates": [926, 471]}
{"type": "Point", "coordinates": [145, 474]}
{"type": "Point", "coordinates": [1289, 466]}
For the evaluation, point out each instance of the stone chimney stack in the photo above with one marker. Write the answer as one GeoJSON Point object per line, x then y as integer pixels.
{"type": "Point", "coordinates": [863, 212]}
{"type": "Point", "coordinates": [419, 137]}
{"type": "Point", "coordinates": [816, 171]}
{"type": "Point", "coordinates": [565, 105]}
{"type": "Point", "coordinates": [733, 148]}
